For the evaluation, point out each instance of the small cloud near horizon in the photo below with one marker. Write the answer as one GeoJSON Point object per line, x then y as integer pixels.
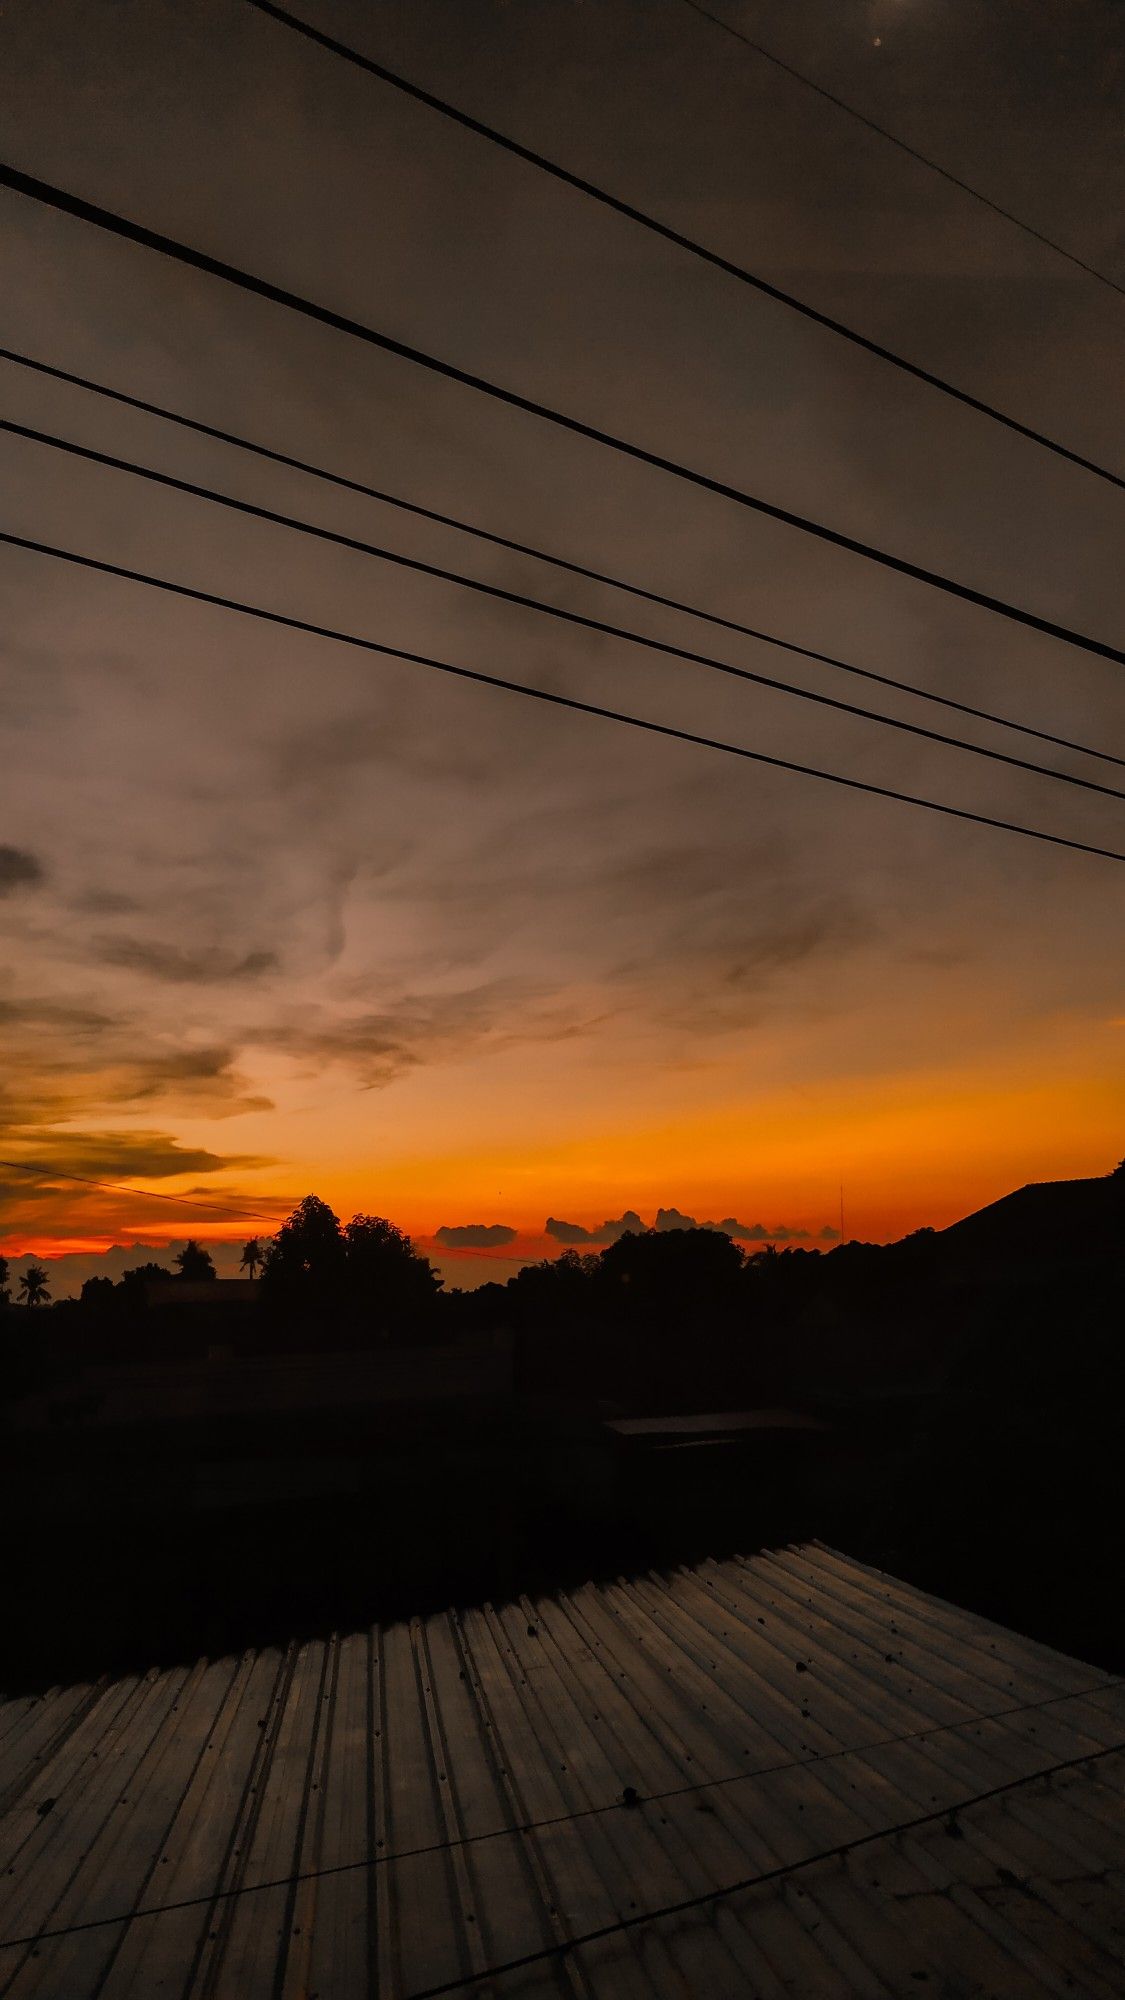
{"type": "Point", "coordinates": [606, 1232]}
{"type": "Point", "coordinates": [474, 1235]}
{"type": "Point", "coordinates": [674, 1218]}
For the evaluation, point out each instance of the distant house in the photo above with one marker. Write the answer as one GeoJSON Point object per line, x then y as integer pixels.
{"type": "Point", "coordinates": [201, 1291]}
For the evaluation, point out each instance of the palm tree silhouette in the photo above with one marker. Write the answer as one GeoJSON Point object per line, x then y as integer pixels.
{"type": "Point", "coordinates": [33, 1286]}
{"type": "Point", "coordinates": [252, 1256]}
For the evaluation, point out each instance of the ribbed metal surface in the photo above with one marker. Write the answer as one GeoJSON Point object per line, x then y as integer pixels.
{"type": "Point", "coordinates": [394, 1810]}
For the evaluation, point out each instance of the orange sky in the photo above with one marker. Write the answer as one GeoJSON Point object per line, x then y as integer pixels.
{"type": "Point", "coordinates": [279, 916]}
{"type": "Point", "coordinates": [914, 1149]}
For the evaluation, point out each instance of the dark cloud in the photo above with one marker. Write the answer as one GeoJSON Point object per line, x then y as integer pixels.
{"type": "Point", "coordinates": [115, 1156]}
{"type": "Point", "coordinates": [182, 966]}
{"type": "Point", "coordinates": [18, 870]}
{"type": "Point", "coordinates": [43, 1199]}
{"type": "Point", "coordinates": [52, 1013]}
{"type": "Point", "coordinates": [606, 1232]}
{"type": "Point", "coordinates": [674, 1218]}
{"type": "Point", "coordinates": [567, 1232]}
{"type": "Point", "coordinates": [474, 1235]}
{"type": "Point", "coordinates": [746, 1232]}
{"type": "Point", "coordinates": [105, 903]}
{"type": "Point", "coordinates": [758, 1232]}
{"type": "Point", "coordinates": [64, 1061]}
{"type": "Point", "coordinates": [207, 1073]}
{"type": "Point", "coordinates": [380, 1046]}
{"type": "Point", "coordinates": [773, 946]}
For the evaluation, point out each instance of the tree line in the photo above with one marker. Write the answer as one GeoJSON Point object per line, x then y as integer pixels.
{"type": "Point", "coordinates": [682, 1314]}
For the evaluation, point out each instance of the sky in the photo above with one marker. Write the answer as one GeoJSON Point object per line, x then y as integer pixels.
{"type": "Point", "coordinates": [278, 916]}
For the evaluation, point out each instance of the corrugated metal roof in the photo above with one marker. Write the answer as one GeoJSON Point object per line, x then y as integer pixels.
{"type": "Point", "coordinates": [403, 1809]}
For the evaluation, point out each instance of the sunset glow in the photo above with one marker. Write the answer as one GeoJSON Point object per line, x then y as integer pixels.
{"type": "Point", "coordinates": [282, 916]}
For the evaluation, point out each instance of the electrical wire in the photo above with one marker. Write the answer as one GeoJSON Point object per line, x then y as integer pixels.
{"type": "Point", "coordinates": [706, 1897]}
{"type": "Point", "coordinates": [479, 677]}
{"type": "Point", "coordinates": [563, 563]}
{"type": "Point", "coordinates": [67, 203]}
{"type": "Point", "coordinates": [527, 603]}
{"type": "Point", "coordinates": [912, 152]}
{"type": "Point", "coordinates": [523, 1827]}
{"type": "Point", "coordinates": [145, 1195]}
{"type": "Point", "coordinates": [670, 235]}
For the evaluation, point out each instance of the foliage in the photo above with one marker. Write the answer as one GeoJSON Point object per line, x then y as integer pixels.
{"type": "Point", "coordinates": [134, 1281]}
{"type": "Point", "coordinates": [194, 1263]}
{"type": "Point", "coordinates": [362, 1282]}
{"type": "Point", "coordinates": [305, 1262]}
{"type": "Point", "coordinates": [252, 1256]}
{"type": "Point", "coordinates": [386, 1280]}
{"type": "Point", "coordinates": [33, 1286]}
{"type": "Point", "coordinates": [97, 1294]}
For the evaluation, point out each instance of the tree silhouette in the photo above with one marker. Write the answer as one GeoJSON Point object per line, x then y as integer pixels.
{"type": "Point", "coordinates": [33, 1286]}
{"type": "Point", "coordinates": [133, 1282]}
{"type": "Point", "coordinates": [4, 1299]}
{"type": "Point", "coordinates": [194, 1263]}
{"type": "Point", "coordinates": [389, 1286]}
{"type": "Point", "coordinates": [304, 1267]}
{"type": "Point", "coordinates": [97, 1295]}
{"type": "Point", "coordinates": [351, 1285]}
{"type": "Point", "coordinates": [252, 1256]}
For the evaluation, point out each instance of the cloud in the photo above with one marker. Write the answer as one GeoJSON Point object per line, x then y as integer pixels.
{"type": "Point", "coordinates": [674, 1218]}
{"type": "Point", "coordinates": [43, 1202]}
{"type": "Point", "coordinates": [188, 1073]}
{"type": "Point", "coordinates": [18, 870]}
{"type": "Point", "coordinates": [567, 1232]}
{"type": "Point", "coordinates": [52, 1013]}
{"type": "Point", "coordinates": [182, 967]}
{"type": "Point", "coordinates": [746, 1232]}
{"type": "Point", "coordinates": [671, 1218]}
{"type": "Point", "coordinates": [379, 1047]}
{"type": "Point", "coordinates": [116, 1156]}
{"type": "Point", "coordinates": [829, 1234]}
{"type": "Point", "coordinates": [607, 1232]}
{"type": "Point", "coordinates": [50, 1191]}
{"type": "Point", "coordinates": [104, 903]}
{"type": "Point", "coordinates": [474, 1235]}
{"type": "Point", "coordinates": [72, 1062]}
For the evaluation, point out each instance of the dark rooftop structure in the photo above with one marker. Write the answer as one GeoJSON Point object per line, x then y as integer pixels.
{"type": "Point", "coordinates": [788, 1774]}
{"type": "Point", "coordinates": [1043, 1224]}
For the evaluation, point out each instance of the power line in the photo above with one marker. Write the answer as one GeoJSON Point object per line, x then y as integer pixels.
{"type": "Point", "coordinates": [144, 1194]}
{"type": "Point", "coordinates": [525, 602]}
{"type": "Point", "coordinates": [392, 1857]}
{"type": "Point", "coordinates": [544, 556]}
{"type": "Point", "coordinates": [483, 679]}
{"type": "Point", "coordinates": [201, 260]}
{"type": "Point", "coordinates": [704, 1898]}
{"type": "Point", "coordinates": [903, 145]}
{"type": "Point", "coordinates": [675, 236]}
